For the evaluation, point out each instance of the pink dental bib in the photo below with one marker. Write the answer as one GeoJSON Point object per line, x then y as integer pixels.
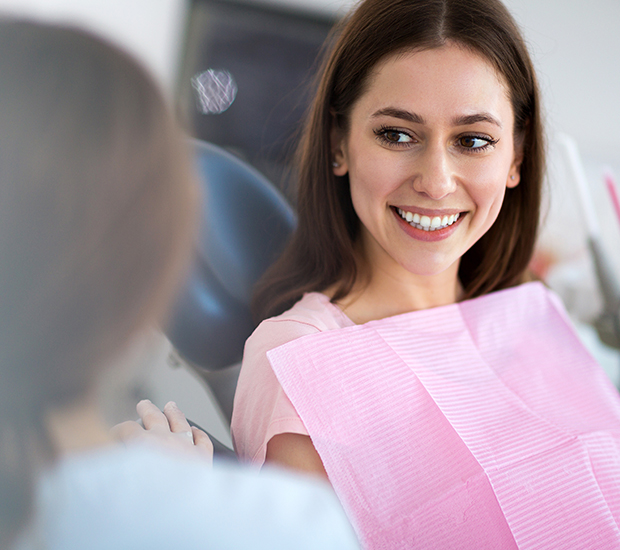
{"type": "Point", "coordinates": [484, 424]}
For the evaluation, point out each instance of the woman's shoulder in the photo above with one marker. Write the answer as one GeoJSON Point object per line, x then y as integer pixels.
{"type": "Point", "coordinates": [315, 310]}
{"type": "Point", "coordinates": [313, 313]}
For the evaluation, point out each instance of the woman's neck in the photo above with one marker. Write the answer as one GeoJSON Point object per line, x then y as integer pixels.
{"type": "Point", "coordinates": [378, 294]}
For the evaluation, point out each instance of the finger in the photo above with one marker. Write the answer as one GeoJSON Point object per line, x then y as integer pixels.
{"type": "Point", "coordinates": [203, 443]}
{"type": "Point", "coordinates": [201, 439]}
{"type": "Point", "coordinates": [151, 415]}
{"type": "Point", "coordinates": [127, 430]}
{"type": "Point", "coordinates": [176, 419]}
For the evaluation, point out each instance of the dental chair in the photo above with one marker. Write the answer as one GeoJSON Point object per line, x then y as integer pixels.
{"type": "Point", "coordinates": [245, 223]}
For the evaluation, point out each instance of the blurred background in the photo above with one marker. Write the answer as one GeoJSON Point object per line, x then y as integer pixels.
{"type": "Point", "coordinates": [239, 74]}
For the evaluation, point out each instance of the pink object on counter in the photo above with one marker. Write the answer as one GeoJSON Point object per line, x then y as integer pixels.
{"type": "Point", "coordinates": [484, 424]}
{"type": "Point", "coordinates": [613, 193]}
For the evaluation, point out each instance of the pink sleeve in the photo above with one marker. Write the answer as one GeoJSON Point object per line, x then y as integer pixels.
{"type": "Point", "coordinates": [262, 409]}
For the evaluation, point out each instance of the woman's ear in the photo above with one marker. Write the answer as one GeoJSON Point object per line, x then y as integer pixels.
{"type": "Point", "coordinates": [338, 157]}
{"type": "Point", "coordinates": [514, 175]}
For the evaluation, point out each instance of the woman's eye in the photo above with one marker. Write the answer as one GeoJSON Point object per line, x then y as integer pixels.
{"type": "Point", "coordinates": [394, 136]}
{"type": "Point", "coordinates": [474, 142]}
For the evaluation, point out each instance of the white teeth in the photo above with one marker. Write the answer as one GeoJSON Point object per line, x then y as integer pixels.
{"type": "Point", "coordinates": [426, 222]}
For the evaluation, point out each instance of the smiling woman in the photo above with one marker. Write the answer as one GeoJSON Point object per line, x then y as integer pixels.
{"type": "Point", "coordinates": [420, 173]}
{"type": "Point", "coordinates": [324, 252]}
{"type": "Point", "coordinates": [432, 137]}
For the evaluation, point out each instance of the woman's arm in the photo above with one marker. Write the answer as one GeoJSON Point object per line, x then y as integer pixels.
{"type": "Point", "coordinates": [296, 452]}
{"type": "Point", "coordinates": [261, 409]}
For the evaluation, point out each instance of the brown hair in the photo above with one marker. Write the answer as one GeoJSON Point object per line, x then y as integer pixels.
{"type": "Point", "coordinates": [96, 217]}
{"type": "Point", "coordinates": [321, 252]}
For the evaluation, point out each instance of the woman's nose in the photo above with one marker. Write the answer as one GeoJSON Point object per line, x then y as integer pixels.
{"type": "Point", "coordinates": [433, 174]}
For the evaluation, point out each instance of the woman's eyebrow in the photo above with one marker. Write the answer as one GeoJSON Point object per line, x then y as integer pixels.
{"type": "Point", "coordinates": [477, 117]}
{"type": "Point", "coordinates": [463, 120]}
{"type": "Point", "coordinates": [399, 113]}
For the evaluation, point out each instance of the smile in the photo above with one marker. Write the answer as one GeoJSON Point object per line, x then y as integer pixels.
{"type": "Point", "coordinates": [426, 223]}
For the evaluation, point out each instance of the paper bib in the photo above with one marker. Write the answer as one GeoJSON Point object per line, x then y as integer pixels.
{"type": "Point", "coordinates": [484, 424]}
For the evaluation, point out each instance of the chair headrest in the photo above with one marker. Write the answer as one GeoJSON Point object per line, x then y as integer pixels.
{"type": "Point", "coordinates": [245, 223]}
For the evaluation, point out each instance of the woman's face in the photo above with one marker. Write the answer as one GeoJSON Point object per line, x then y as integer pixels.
{"type": "Point", "coordinates": [429, 152]}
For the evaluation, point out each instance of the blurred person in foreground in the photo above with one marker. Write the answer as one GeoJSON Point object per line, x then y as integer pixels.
{"type": "Point", "coordinates": [97, 214]}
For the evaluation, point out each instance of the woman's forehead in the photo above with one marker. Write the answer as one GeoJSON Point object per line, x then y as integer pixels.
{"type": "Point", "coordinates": [450, 78]}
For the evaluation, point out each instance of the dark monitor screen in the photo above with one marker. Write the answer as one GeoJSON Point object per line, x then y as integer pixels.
{"type": "Point", "coordinates": [247, 78]}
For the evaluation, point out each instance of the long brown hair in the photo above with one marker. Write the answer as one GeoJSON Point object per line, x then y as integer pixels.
{"type": "Point", "coordinates": [321, 252]}
{"type": "Point", "coordinates": [96, 217]}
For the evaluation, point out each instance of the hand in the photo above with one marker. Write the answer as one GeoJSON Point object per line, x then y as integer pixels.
{"type": "Point", "coordinates": [169, 429]}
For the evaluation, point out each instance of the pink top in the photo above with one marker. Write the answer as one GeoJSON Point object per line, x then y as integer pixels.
{"type": "Point", "coordinates": [262, 409]}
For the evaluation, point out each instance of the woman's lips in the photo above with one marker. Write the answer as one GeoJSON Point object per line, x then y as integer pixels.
{"type": "Point", "coordinates": [428, 222]}
{"type": "Point", "coordinates": [426, 225]}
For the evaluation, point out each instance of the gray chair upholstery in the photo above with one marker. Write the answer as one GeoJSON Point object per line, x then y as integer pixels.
{"type": "Point", "coordinates": [245, 223]}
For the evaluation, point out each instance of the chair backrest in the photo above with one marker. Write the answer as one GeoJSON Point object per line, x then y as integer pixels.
{"type": "Point", "coordinates": [245, 223]}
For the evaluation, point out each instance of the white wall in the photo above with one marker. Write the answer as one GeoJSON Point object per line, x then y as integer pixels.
{"type": "Point", "coordinates": [576, 47]}
{"type": "Point", "coordinates": [151, 29]}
